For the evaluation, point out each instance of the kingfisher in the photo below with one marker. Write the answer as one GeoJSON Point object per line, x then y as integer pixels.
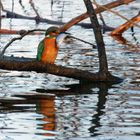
{"type": "Point", "coordinates": [48, 48]}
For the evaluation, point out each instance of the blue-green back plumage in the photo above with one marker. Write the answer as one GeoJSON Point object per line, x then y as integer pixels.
{"type": "Point", "coordinates": [40, 50]}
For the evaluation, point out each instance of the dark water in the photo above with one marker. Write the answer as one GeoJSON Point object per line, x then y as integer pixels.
{"type": "Point", "coordinates": [37, 106]}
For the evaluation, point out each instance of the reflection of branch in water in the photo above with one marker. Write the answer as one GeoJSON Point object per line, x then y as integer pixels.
{"type": "Point", "coordinates": [103, 91]}
{"type": "Point", "coordinates": [35, 10]}
{"type": "Point", "coordinates": [52, 5]}
{"type": "Point", "coordinates": [76, 89]}
{"type": "Point", "coordinates": [62, 11]}
{"type": "Point", "coordinates": [13, 6]}
{"type": "Point", "coordinates": [1, 6]}
{"type": "Point", "coordinates": [124, 41]}
{"type": "Point", "coordinates": [23, 7]}
{"type": "Point", "coordinates": [0, 14]}
{"type": "Point", "coordinates": [20, 2]}
{"type": "Point", "coordinates": [45, 104]}
{"type": "Point", "coordinates": [134, 37]}
{"type": "Point", "coordinates": [85, 89]}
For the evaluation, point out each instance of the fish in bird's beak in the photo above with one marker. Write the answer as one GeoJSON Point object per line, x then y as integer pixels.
{"type": "Point", "coordinates": [62, 37]}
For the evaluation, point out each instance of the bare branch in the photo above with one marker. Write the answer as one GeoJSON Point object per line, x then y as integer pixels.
{"type": "Point", "coordinates": [1, 6]}
{"type": "Point", "coordinates": [101, 16]}
{"type": "Point", "coordinates": [97, 10]}
{"type": "Point", "coordinates": [39, 67]}
{"type": "Point", "coordinates": [103, 65]}
{"type": "Point", "coordinates": [127, 25]}
{"type": "Point", "coordinates": [23, 34]}
{"type": "Point", "coordinates": [33, 6]}
{"type": "Point", "coordinates": [117, 13]}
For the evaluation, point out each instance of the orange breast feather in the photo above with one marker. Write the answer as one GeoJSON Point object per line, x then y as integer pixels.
{"type": "Point", "coordinates": [50, 50]}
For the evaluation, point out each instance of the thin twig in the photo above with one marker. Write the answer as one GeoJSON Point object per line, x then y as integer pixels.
{"type": "Point", "coordinates": [13, 3]}
{"type": "Point", "coordinates": [35, 10]}
{"type": "Point", "coordinates": [23, 7]}
{"type": "Point", "coordinates": [1, 6]}
{"type": "Point", "coordinates": [20, 2]}
{"type": "Point", "coordinates": [62, 11]}
{"type": "Point", "coordinates": [94, 46]}
{"type": "Point", "coordinates": [101, 16]}
{"type": "Point", "coordinates": [18, 38]}
{"type": "Point", "coordinates": [0, 13]}
{"type": "Point", "coordinates": [51, 5]}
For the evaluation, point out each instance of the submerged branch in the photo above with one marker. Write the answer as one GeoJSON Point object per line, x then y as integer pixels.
{"type": "Point", "coordinates": [39, 19]}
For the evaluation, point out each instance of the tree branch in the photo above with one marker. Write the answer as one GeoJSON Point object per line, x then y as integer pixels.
{"type": "Point", "coordinates": [127, 25]}
{"type": "Point", "coordinates": [97, 10]}
{"type": "Point", "coordinates": [103, 66]}
{"type": "Point", "coordinates": [23, 33]}
{"type": "Point", "coordinates": [26, 64]}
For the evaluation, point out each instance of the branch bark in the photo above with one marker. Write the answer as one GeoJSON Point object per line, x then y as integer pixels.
{"type": "Point", "coordinates": [26, 64]}
{"type": "Point", "coordinates": [126, 26]}
{"type": "Point", "coordinates": [103, 66]}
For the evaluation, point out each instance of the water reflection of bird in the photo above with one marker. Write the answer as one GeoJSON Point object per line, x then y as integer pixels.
{"type": "Point", "coordinates": [49, 46]}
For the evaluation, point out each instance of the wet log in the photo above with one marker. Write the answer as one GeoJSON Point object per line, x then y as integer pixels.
{"type": "Point", "coordinates": [28, 64]}
{"type": "Point", "coordinates": [122, 28]}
